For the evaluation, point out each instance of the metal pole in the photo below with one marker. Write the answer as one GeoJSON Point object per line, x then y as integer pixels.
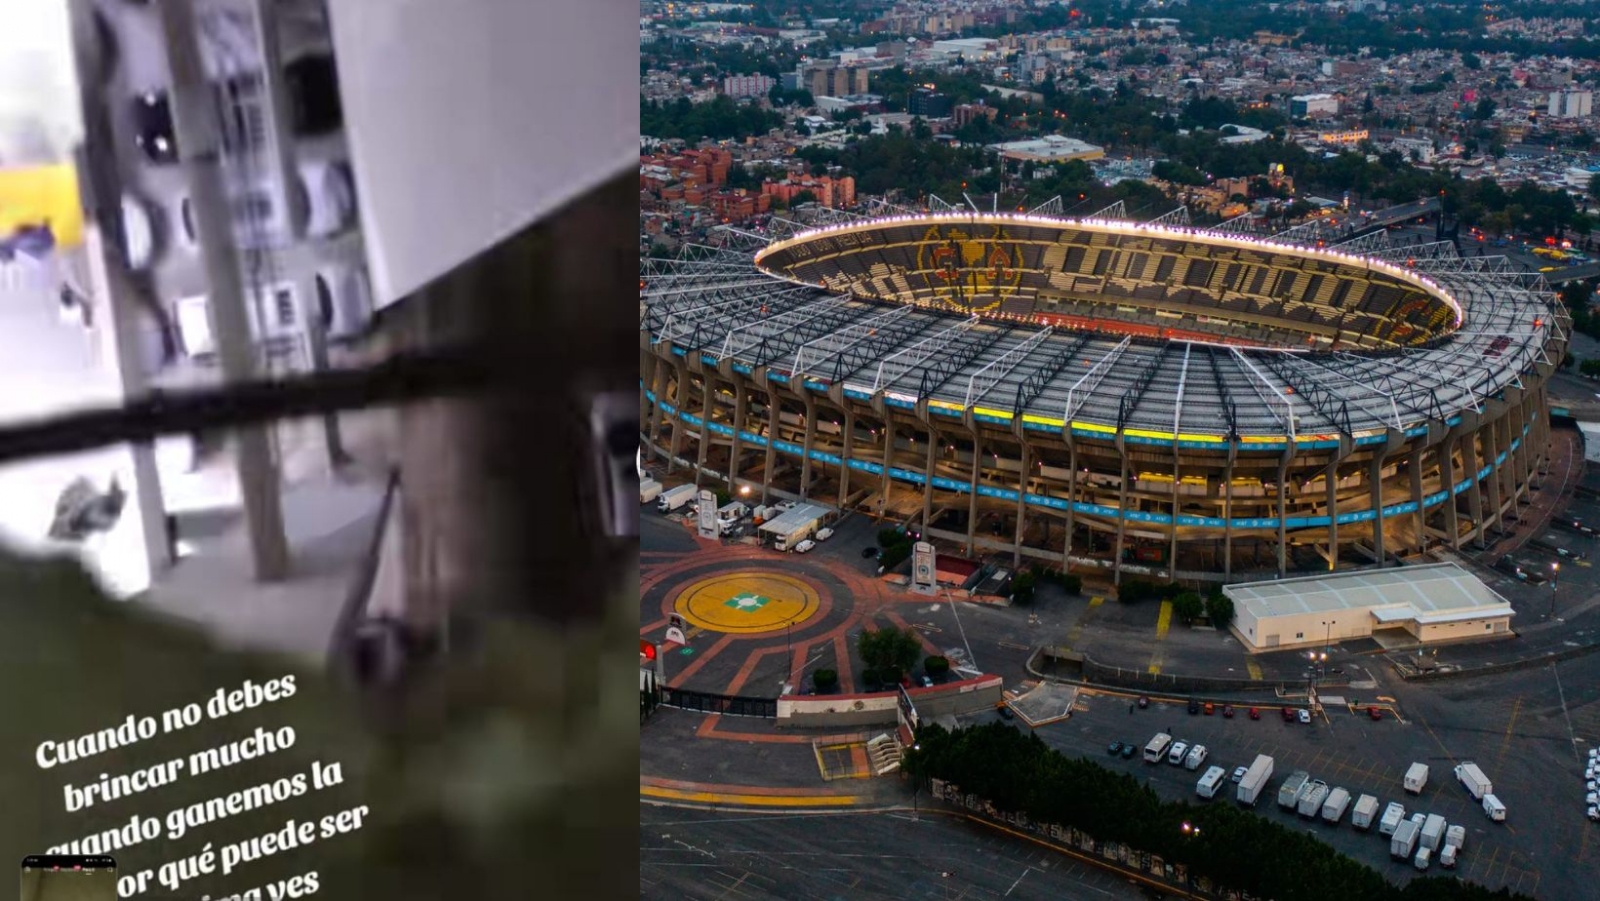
{"type": "Point", "coordinates": [956, 610]}
{"type": "Point", "coordinates": [199, 143]}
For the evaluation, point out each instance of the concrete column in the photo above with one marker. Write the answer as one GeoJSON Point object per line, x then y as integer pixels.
{"type": "Point", "coordinates": [1447, 474]}
{"type": "Point", "coordinates": [705, 427]}
{"type": "Point", "coordinates": [1420, 517]}
{"type": "Point", "coordinates": [972, 495]}
{"type": "Point", "coordinates": [1491, 449]}
{"type": "Point", "coordinates": [888, 460]}
{"type": "Point", "coordinates": [1375, 499]}
{"type": "Point", "coordinates": [1330, 479]}
{"type": "Point", "coordinates": [1469, 462]}
{"type": "Point", "coordinates": [927, 475]}
{"type": "Point", "coordinates": [1172, 528]}
{"type": "Point", "coordinates": [676, 442]}
{"type": "Point", "coordinates": [844, 455]}
{"type": "Point", "coordinates": [194, 119]}
{"type": "Point", "coordinates": [774, 427]}
{"type": "Point", "coordinates": [281, 157]}
{"type": "Point", "coordinates": [648, 364]}
{"type": "Point", "coordinates": [1122, 512]}
{"type": "Point", "coordinates": [1072, 496]}
{"type": "Point", "coordinates": [1022, 505]}
{"type": "Point", "coordinates": [741, 399]}
{"type": "Point", "coordinates": [806, 444]}
{"type": "Point", "coordinates": [1283, 503]}
{"type": "Point", "coordinates": [1227, 511]}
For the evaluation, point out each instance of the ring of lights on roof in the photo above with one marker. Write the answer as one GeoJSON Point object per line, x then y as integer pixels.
{"type": "Point", "coordinates": [1110, 275]}
{"type": "Point", "coordinates": [1136, 397]}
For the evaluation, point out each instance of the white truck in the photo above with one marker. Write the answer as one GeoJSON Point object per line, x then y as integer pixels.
{"type": "Point", "coordinates": [649, 490]}
{"type": "Point", "coordinates": [1333, 809]}
{"type": "Point", "coordinates": [1474, 779]}
{"type": "Point", "coordinates": [676, 498]}
{"type": "Point", "coordinates": [1364, 813]}
{"type": "Point", "coordinates": [1156, 750]}
{"type": "Point", "coordinates": [1254, 780]}
{"type": "Point", "coordinates": [1393, 816]}
{"type": "Point", "coordinates": [1455, 840]}
{"type": "Point", "coordinates": [1404, 841]}
{"type": "Point", "coordinates": [1432, 833]}
{"type": "Point", "coordinates": [1211, 782]}
{"type": "Point", "coordinates": [1289, 791]}
{"type": "Point", "coordinates": [1416, 778]}
{"type": "Point", "coordinates": [1494, 809]}
{"type": "Point", "coordinates": [1311, 798]}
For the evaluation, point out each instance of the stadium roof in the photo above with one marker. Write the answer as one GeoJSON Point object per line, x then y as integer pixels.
{"type": "Point", "coordinates": [1090, 372]}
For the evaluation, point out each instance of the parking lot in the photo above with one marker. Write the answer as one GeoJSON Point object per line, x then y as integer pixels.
{"type": "Point", "coordinates": [1543, 848]}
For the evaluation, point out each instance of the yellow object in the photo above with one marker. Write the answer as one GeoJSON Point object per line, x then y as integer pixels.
{"type": "Point", "coordinates": [42, 195]}
{"type": "Point", "coordinates": [748, 601]}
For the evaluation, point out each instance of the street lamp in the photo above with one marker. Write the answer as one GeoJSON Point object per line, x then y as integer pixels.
{"type": "Point", "coordinates": [1555, 581]}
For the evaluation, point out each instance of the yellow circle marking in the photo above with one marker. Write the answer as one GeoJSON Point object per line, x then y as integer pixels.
{"type": "Point", "coordinates": [746, 602]}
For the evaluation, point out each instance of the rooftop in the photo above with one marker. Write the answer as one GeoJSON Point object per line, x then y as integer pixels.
{"type": "Point", "coordinates": [1438, 592]}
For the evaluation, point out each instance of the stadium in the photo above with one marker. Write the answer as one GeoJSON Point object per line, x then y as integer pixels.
{"type": "Point", "coordinates": [1140, 398]}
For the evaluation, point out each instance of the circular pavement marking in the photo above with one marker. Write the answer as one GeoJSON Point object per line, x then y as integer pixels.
{"type": "Point", "coordinates": [747, 601]}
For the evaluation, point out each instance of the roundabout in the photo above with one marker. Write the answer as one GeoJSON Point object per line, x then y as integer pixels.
{"type": "Point", "coordinates": [748, 602]}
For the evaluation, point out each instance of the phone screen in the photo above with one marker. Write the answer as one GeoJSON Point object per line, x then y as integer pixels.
{"type": "Point", "coordinates": [68, 878]}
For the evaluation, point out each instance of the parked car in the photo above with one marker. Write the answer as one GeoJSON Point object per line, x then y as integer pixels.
{"type": "Point", "coordinates": [1304, 716]}
{"type": "Point", "coordinates": [1005, 713]}
{"type": "Point", "coordinates": [804, 546]}
{"type": "Point", "coordinates": [1227, 711]}
{"type": "Point", "coordinates": [1288, 714]}
{"type": "Point", "coordinates": [1238, 773]}
{"type": "Point", "coordinates": [1210, 708]}
{"type": "Point", "coordinates": [1178, 751]}
{"type": "Point", "coordinates": [1194, 707]}
{"type": "Point", "coordinates": [824, 534]}
{"type": "Point", "coordinates": [1255, 713]}
{"type": "Point", "coordinates": [1114, 748]}
{"type": "Point", "coordinates": [1374, 713]}
{"type": "Point", "coordinates": [1144, 701]}
{"type": "Point", "coordinates": [1128, 750]}
{"type": "Point", "coordinates": [868, 552]}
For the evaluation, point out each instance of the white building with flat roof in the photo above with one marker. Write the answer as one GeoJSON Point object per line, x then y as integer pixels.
{"type": "Point", "coordinates": [1049, 149]}
{"type": "Point", "coordinates": [1431, 603]}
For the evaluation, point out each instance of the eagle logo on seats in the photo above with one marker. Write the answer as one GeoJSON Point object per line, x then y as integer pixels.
{"type": "Point", "coordinates": [970, 269]}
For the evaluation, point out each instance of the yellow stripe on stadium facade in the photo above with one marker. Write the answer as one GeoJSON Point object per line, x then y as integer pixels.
{"type": "Point", "coordinates": [1093, 427]}
{"type": "Point", "coordinates": [1042, 420]}
{"type": "Point", "coordinates": [985, 411]}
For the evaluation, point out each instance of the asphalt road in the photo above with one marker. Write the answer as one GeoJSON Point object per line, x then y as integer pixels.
{"type": "Point", "coordinates": [1526, 730]}
{"type": "Point", "coordinates": [691, 854]}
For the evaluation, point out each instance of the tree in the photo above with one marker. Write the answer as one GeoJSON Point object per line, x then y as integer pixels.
{"type": "Point", "coordinates": [1594, 185]}
{"type": "Point", "coordinates": [1187, 607]}
{"type": "Point", "coordinates": [889, 648]}
{"type": "Point", "coordinates": [801, 197]}
{"type": "Point", "coordinates": [936, 666]}
{"type": "Point", "coordinates": [825, 680]}
{"type": "Point", "coordinates": [1022, 587]}
{"type": "Point", "coordinates": [1590, 368]}
{"type": "Point", "coordinates": [1219, 609]}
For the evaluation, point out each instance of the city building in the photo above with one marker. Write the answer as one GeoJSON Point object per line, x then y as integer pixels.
{"type": "Point", "coordinates": [1049, 149]}
{"type": "Point", "coordinates": [747, 85]}
{"type": "Point", "coordinates": [1429, 603]}
{"type": "Point", "coordinates": [834, 193]}
{"type": "Point", "coordinates": [928, 103]}
{"type": "Point", "coordinates": [966, 113]}
{"type": "Point", "coordinates": [1313, 106]}
{"type": "Point", "coordinates": [1571, 104]}
{"type": "Point", "coordinates": [837, 81]}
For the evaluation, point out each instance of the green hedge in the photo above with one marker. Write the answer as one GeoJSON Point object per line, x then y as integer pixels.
{"type": "Point", "coordinates": [1017, 772]}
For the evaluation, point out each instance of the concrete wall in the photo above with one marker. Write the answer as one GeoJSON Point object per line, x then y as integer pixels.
{"type": "Point", "coordinates": [1473, 628]}
{"type": "Point", "coordinates": [880, 708]}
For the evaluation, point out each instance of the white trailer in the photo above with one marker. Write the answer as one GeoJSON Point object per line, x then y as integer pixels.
{"type": "Point", "coordinates": [675, 498]}
{"type": "Point", "coordinates": [1255, 779]}
{"type": "Point", "coordinates": [1404, 840]}
{"type": "Point", "coordinates": [1474, 779]}
{"type": "Point", "coordinates": [1289, 791]}
{"type": "Point", "coordinates": [1432, 832]}
{"type": "Point", "coordinates": [1416, 778]}
{"type": "Point", "coordinates": [1366, 810]}
{"type": "Point", "coordinates": [1333, 809]}
{"type": "Point", "coordinates": [649, 490]}
{"type": "Point", "coordinates": [1311, 798]}
{"type": "Point", "coordinates": [792, 526]}
{"type": "Point", "coordinates": [1393, 816]}
{"type": "Point", "coordinates": [1209, 784]}
{"type": "Point", "coordinates": [1494, 809]}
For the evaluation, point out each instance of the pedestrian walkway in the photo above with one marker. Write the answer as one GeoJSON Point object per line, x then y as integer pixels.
{"type": "Point", "coordinates": [1158, 656]}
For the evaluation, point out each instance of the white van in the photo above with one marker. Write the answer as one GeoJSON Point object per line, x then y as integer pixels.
{"type": "Point", "coordinates": [1196, 756]}
{"type": "Point", "coordinates": [1211, 782]}
{"type": "Point", "coordinates": [1157, 748]}
{"type": "Point", "coordinates": [1424, 854]}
